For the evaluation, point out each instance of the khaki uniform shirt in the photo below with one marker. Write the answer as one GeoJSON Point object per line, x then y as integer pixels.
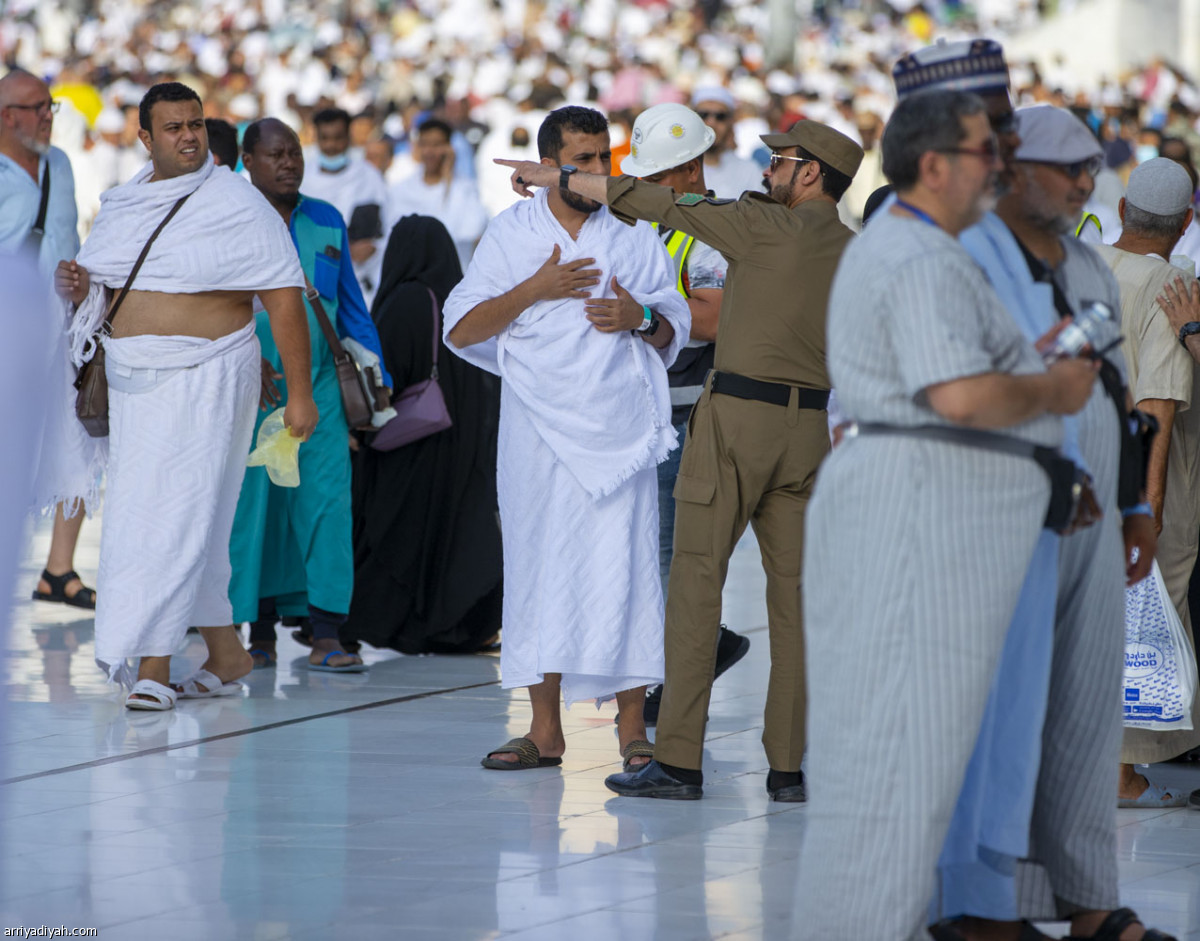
{"type": "Point", "coordinates": [781, 266]}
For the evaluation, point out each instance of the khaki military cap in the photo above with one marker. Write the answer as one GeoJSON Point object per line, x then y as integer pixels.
{"type": "Point", "coordinates": [827, 145]}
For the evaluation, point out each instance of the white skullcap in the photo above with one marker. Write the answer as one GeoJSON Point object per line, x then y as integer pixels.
{"type": "Point", "coordinates": [1160, 187]}
{"type": "Point", "coordinates": [713, 93]}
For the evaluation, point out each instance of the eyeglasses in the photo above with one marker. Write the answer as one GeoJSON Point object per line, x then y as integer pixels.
{"type": "Point", "coordinates": [777, 158]}
{"type": "Point", "coordinates": [49, 105]}
{"type": "Point", "coordinates": [1003, 123]}
{"type": "Point", "coordinates": [1091, 166]}
{"type": "Point", "coordinates": [715, 115]}
{"type": "Point", "coordinates": [988, 150]}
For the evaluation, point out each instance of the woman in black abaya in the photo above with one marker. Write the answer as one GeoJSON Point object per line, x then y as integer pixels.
{"type": "Point", "coordinates": [427, 559]}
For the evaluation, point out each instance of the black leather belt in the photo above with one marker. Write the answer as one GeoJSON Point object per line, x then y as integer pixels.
{"type": "Point", "coordinates": [728, 383]}
{"type": "Point", "coordinates": [1066, 479]}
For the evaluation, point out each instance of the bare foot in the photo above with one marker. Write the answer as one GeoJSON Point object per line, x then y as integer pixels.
{"type": "Point", "coordinates": [262, 654]}
{"type": "Point", "coordinates": [550, 746]}
{"type": "Point", "coordinates": [227, 669]}
{"type": "Point", "coordinates": [324, 647]}
{"type": "Point", "coordinates": [1131, 786]}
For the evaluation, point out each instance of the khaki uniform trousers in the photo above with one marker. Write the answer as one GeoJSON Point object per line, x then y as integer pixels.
{"type": "Point", "coordinates": [744, 462]}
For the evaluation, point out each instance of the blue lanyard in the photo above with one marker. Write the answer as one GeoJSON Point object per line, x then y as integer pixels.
{"type": "Point", "coordinates": [919, 213]}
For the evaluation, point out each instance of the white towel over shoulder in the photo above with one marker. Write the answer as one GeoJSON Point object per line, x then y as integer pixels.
{"type": "Point", "coordinates": [226, 237]}
{"type": "Point", "coordinates": [598, 400]}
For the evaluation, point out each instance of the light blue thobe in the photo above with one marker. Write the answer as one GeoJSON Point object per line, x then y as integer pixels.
{"type": "Point", "coordinates": [990, 828]}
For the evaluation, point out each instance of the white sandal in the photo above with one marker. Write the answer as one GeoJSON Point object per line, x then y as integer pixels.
{"type": "Point", "coordinates": [162, 697]}
{"type": "Point", "coordinates": [213, 687]}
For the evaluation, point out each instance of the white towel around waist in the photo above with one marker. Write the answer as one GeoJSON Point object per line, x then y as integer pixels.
{"type": "Point", "coordinates": [141, 363]}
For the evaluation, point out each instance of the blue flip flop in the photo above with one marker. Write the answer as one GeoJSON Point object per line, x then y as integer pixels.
{"type": "Point", "coordinates": [324, 667]}
{"type": "Point", "coordinates": [267, 662]}
{"type": "Point", "coordinates": [1155, 796]}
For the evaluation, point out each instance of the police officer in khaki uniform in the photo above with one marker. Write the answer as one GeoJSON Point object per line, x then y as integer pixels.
{"type": "Point", "coordinates": [755, 438]}
{"type": "Point", "coordinates": [671, 141]}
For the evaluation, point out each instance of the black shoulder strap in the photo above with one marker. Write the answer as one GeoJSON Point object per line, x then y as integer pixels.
{"type": "Point", "coordinates": [331, 337]}
{"type": "Point", "coordinates": [137, 265]}
{"type": "Point", "coordinates": [40, 225]}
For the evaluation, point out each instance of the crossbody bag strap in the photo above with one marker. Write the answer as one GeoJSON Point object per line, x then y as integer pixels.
{"type": "Point", "coordinates": [39, 226]}
{"type": "Point", "coordinates": [437, 330]}
{"type": "Point", "coordinates": [331, 337]}
{"type": "Point", "coordinates": [137, 265]}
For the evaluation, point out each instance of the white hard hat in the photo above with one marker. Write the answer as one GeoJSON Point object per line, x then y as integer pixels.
{"type": "Point", "coordinates": [664, 137]}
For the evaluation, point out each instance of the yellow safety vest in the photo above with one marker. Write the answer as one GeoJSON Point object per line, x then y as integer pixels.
{"type": "Point", "coordinates": [1088, 217]}
{"type": "Point", "coordinates": [678, 246]}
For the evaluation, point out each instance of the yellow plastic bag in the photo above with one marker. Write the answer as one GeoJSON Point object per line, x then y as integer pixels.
{"type": "Point", "coordinates": [278, 450]}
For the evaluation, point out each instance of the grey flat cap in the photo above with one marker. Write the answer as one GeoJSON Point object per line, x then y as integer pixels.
{"type": "Point", "coordinates": [1054, 135]}
{"type": "Point", "coordinates": [1160, 187]}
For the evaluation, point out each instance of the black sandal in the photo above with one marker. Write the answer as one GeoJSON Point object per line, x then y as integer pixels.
{"type": "Point", "coordinates": [84, 598]}
{"type": "Point", "coordinates": [948, 931]}
{"type": "Point", "coordinates": [1116, 922]}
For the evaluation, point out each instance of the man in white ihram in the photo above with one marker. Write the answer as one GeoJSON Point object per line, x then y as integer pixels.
{"type": "Point", "coordinates": [580, 317]}
{"type": "Point", "coordinates": [184, 376]}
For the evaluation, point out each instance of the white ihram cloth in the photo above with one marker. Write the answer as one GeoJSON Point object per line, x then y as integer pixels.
{"type": "Point", "coordinates": [181, 409]}
{"type": "Point", "coordinates": [585, 417]}
{"type": "Point", "coordinates": [181, 415]}
{"type": "Point", "coordinates": [225, 238]}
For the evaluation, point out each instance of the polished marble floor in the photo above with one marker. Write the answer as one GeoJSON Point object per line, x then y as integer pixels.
{"type": "Point", "coordinates": [322, 806]}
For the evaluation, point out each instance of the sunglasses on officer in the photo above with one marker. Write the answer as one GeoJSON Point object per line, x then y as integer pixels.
{"type": "Point", "coordinates": [721, 116]}
{"type": "Point", "coordinates": [776, 159]}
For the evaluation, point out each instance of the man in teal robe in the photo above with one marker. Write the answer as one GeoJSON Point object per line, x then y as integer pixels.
{"type": "Point", "coordinates": [291, 548]}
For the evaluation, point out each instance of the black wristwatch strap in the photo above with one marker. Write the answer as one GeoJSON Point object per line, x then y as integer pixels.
{"type": "Point", "coordinates": [1187, 330]}
{"type": "Point", "coordinates": [564, 175]}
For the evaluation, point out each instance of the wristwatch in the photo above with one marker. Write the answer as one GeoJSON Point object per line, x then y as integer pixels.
{"type": "Point", "coordinates": [649, 325]}
{"type": "Point", "coordinates": [564, 174]}
{"type": "Point", "coordinates": [1187, 330]}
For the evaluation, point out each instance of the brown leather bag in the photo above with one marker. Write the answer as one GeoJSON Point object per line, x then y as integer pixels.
{"type": "Point", "coordinates": [355, 402]}
{"type": "Point", "coordinates": [91, 384]}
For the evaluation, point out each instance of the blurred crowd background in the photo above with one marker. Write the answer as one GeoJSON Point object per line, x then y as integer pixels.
{"type": "Point", "coordinates": [491, 69]}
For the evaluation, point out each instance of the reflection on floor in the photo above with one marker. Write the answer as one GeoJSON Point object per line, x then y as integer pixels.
{"type": "Point", "coordinates": [321, 806]}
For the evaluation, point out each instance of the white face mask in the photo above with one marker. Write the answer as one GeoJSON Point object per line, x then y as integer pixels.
{"type": "Point", "coordinates": [1145, 152]}
{"type": "Point", "coordinates": [333, 164]}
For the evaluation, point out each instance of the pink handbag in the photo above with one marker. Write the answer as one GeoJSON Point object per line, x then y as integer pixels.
{"type": "Point", "coordinates": [420, 408]}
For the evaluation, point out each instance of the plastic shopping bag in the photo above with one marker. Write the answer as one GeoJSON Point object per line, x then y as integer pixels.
{"type": "Point", "coordinates": [279, 450]}
{"type": "Point", "coordinates": [1160, 666]}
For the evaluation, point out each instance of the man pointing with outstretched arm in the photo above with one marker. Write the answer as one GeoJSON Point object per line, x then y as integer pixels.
{"type": "Point", "coordinates": [755, 437]}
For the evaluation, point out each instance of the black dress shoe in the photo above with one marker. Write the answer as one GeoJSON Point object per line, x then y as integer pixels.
{"type": "Point", "coordinates": [789, 788]}
{"type": "Point", "coordinates": [651, 780]}
{"type": "Point", "coordinates": [731, 648]}
{"type": "Point", "coordinates": [652, 704]}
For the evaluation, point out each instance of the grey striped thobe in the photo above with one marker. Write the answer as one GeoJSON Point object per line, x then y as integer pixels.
{"type": "Point", "coordinates": [917, 552]}
{"type": "Point", "coordinates": [1074, 826]}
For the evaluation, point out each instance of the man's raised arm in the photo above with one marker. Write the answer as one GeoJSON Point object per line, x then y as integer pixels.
{"type": "Point", "coordinates": [722, 224]}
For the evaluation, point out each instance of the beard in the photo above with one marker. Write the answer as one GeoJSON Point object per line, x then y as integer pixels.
{"type": "Point", "coordinates": [32, 143]}
{"type": "Point", "coordinates": [577, 202]}
{"type": "Point", "coordinates": [780, 193]}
